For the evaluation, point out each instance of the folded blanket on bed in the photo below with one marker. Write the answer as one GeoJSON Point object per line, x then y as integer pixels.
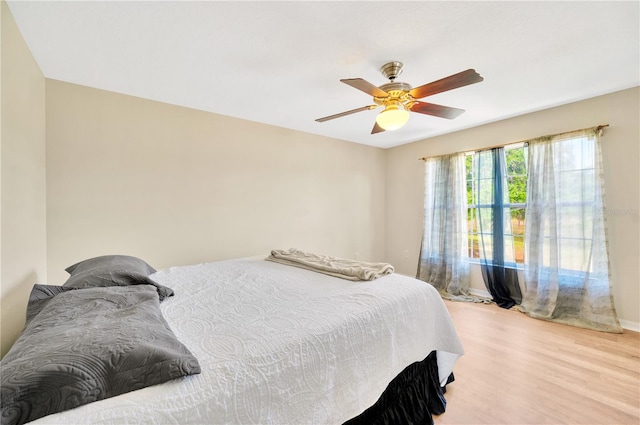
{"type": "Point", "coordinates": [333, 266]}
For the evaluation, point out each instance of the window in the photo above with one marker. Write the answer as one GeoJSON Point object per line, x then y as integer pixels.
{"type": "Point", "coordinates": [575, 199]}
{"type": "Point", "coordinates": [479, 193]}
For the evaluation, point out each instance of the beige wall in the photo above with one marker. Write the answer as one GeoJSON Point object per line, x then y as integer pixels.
{"type": "Point", "coordinates": [23, 216]}
{"type": "Point", "coordinates": [621, 156]}
{"type": "Point", "coordinates": [178, 186]}
{"type": "Point", "coordinates": [2, 7]}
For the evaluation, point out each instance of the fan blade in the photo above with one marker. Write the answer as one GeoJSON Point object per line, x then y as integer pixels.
{"type": "Point", "coordinates": [435, 110]}
{"type": "Point", "coordinates": [342, 114]}
{"type": "Point", "coordinates": [377, 129]}
{"type": "Point", "coordinates": [461, 79]}
{"type": "Point", "coordinates": [365, 86]}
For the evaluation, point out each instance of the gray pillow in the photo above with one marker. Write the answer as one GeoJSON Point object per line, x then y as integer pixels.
{"type": "Point", "coordinates": [113, 270]}
{"type": "Point", "coordinates": [84, 345]}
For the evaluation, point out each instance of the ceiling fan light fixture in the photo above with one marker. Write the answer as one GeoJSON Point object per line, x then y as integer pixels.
{"type": "Point", "coordinates": [393, 117]}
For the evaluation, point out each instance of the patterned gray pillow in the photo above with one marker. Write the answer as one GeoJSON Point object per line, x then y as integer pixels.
{"type": "Point", "coordinates": [113, 270]}
{"type": "Point", "coordinates": [84, 345]}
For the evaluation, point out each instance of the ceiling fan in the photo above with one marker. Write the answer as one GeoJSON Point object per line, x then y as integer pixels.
{"type": "Point", "coordinates": [399, 98]}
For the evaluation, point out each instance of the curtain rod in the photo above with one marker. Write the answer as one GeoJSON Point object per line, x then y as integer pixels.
{"type": "Point", "coordinates": [598, 129]}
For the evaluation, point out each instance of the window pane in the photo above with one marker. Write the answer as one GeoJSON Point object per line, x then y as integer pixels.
{"type": "Point", "coordinates": [485, 245]}
{"type": "Point", "coordinates": [574, 254]}
{"type": "Point", "coordinates": [484, 188]}
{"type": "Point", "coordinates": [577, 186]}
{"type": "Point", "coordinates": [516, 162]}
{"type": "Point", "coordinates": [575, 222]}
{"type": "Point", "coordinates": [518, 243]}
{"type": "Point", "coordinates": [517, 190]}
{"type": "Point", "coordinates": [517, 221]}
{"type": "Point", "coordinates": [509, 249]}
{"type": "Point", "coordinates": [506, 220]}
{"type": "Point", "coordinates": [484, 165]}
{"type": "Point", "coordinates": [576, 154]}
{"type": "Point", "coordinates": [472, 224]}
{"type": "Point", "coordinates": [474, 249]}
{"type": "Point", "coordinates": [485, 220]}
{"type": "Point", "coordinates": [514, 235]}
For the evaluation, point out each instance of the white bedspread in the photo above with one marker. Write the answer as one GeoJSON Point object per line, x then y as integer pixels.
{"type": "Point", "coordinates": [283, 345]}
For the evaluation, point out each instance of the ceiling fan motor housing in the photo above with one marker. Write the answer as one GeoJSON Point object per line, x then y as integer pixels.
{"type": "Point", "coordinates": [397, 91]}
{"type": "Point", "coordinates": [391, 69]}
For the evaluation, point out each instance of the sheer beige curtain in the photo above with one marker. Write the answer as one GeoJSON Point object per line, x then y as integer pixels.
{"type": "Point", "coordinates": [566, 259]}
{"type": "Point", "coordinates": [444, 260]}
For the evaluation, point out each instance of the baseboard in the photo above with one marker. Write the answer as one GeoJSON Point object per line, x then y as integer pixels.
{"type": "Point", "coordinates": [479, 293]}
{"type": "Point", "coordinates": [626, 324]}
{"type": "Point", "coordinates": [629, 325]}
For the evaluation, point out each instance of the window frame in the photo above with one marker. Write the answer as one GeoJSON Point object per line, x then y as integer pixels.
{"type": "Point", "coordinates": [472, 232]}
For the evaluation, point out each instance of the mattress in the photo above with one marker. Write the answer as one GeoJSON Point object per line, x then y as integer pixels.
{"type": "Point", "coordinates": [283, 345]}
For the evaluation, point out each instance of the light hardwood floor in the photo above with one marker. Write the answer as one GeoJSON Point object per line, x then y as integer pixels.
{"type": "Point", "coordinates": [519, 370]}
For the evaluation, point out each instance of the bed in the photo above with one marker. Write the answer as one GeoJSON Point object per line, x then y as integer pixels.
{"type": "Point", "coordinates": [277, 344]}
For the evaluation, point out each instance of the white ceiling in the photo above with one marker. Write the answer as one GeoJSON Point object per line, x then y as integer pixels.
{"type": "Point", "coordinates": [280, 62]}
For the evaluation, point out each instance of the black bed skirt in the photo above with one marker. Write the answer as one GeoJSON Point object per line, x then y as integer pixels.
{"type": "Point", "coordinates": [411, 398]}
